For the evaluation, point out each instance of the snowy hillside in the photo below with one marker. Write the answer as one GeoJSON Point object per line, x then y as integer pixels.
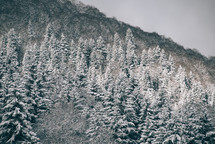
{"type": "Point", "coordinates": [70, 75]}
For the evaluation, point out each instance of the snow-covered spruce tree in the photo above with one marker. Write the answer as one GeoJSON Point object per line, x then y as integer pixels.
{"type": "Point", "coordinates": [31, 31]}
{"type": "Point", "coordinates": [81, 71]}
{"type": "Point", "coordinates": [156, 53]}
{"type": "Point", "coordinates": [118, 54]}
{"type": "Point", "coordinates": [73, 55]}
{"type": "Point", "coordinates": [65, 49]}
{"type": "Point", "coordinates": [211, 95]}
{"type": "Point", "coordinates": [56, 53]}
{"type": "Point", "coordinates": [117, 45]}
{"type": "Point", "coordinates": [98, 117]}
{"type": "Point", "coordinates": [15, 126]}
{"type": "Point", "coordinates": [108, 79]}
{"type": "Point", "coordinates": [45, 77]}
{"type": "Point", "coordinates": [95, 90]}
{"type": "Point", "coordinates": [94, 58]}
{"type": "Point", "coordinates": [109, 52]}
{"type": "Point", "coordinates": [60, 68]}
{"type": "Point", "coordinates": [30, 62]}
{"type": "Point", "coordinates": [144, 58]}
{"type": "Point", "coordinates": [79, 52]}
{"type": "Point", "coordinates": [180, 89]}
{"type": "Point", "coordinates": [66, 83]}
{"type": "Point", "coordinates": [170, 66]}
{"type": "Point", "coordinates": [198, 93]}
{"type": "Point", "coordinates": [100, 44]}
{"type": "Point", "coordinates": [3, 54]}
{"type": "Point", "coordinates": [79, 98]}
{"type": "Point", "coordinates": [150, 57]}
{"type": "Point", "coordinates": [195, 125]}
{"type": "Point", "coordinates": [45, 49]}
{"type": "Point", "coordinates": [79, 84]}
{"type": "Point", "coordinates": [85, 47]}
{"type": "Point", "coordinates": [131, 57]}
{"type": "Point", "coordinates": [154, 127]}
{"type": "Point", "coordinates": [101, 53]}
{"type": "Point", "coordinates": [107, 86]}
{"type": "Point", "coordinates": [142, 119]}
{"type": "Point", "coordinates": [87, 51]}
{"type": "Point", "coordinates": [97, 132]}
{"type": "Point", "coordinates": [125, 125]}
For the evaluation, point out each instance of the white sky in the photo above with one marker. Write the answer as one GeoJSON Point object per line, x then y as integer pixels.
{"type": "Point", "coordinates": [190, 23]}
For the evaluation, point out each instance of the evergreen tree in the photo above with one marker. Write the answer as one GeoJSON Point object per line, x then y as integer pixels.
{"type": "Point", "coordinates": [81, 72]}
{"type": "Point", "coordinates": [153, 129]}
{"type": "Point", "coordinates": [126, 126]}
{"type": "Point", "coordinates": [144, 58]}
{"type": "Point", "coordinates": [73, 55]}
{"type": "Point", "coordinates": [65, 49]}
{"type": "Point", "coordinates": [30, 62]}
{"type": "Point", "coordinates": [15, 126]}
{"type": "Point", "coordinates": [211, 95]}
{"type": "Point", "coordinates": [117, 47]}
{"type": "Point", "coordinates": [130, 51]}
{"type": "Point", "coordinates": [3, 54]}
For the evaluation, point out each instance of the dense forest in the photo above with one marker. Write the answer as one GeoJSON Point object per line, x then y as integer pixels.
{"type": "Point", "coordinates": [122, 96]}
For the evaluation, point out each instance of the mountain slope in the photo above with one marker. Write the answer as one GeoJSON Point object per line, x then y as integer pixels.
{"type": "Point", "coordinates": [69, 74]}
{"type": "Point", "coordinates": [75, 19]}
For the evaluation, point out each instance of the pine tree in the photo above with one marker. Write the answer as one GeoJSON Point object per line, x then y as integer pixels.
{"type": "Point", "coordinates": [144, 58]}
{"type": "Point", "coordinates": [156, 53]}
{"type": "Point", "coordinates": [126, 123]}
{"type": "Point", "coordinates": [96, 131]}
{"type": "Point", "coordinates": [95, 88]}
{"type": "Point", "coordinates": [193, 125]}
{"type": "Point", "coordinates": [180, 86]}
{"type": "Point", "coordinates": [117, 46]}
{"type": "Point", "coordinates": [211, 95]}
{"type": "Point", "coordinates": [100, 44]}
{"type": "Point", "coordinates": [73, 55]}
{"type": "Point", "coordinates": [15, 126]}
{"type": "Point", "coordinates": [130, 51]}
{"type": "Point", "coordinates": [3, 53]}
{"type": "Point", "coordinates": [65, 49]}
{"type": "Point", "coordinates": [43, 86]}
{"type": "Point", "coordinates": [81, 72]}
{"type": "Point", "coordinates": [142, 119]}
{"type": "Point", "coordinates": [108, 78]}
{"type": "Point", "coordinates": [30, 62]}
{"type": "Point", "coordinates": [100, 53]}
{"type": "Point", "coordinates": [31, 31]}
{"type": "Point", "coordinates": [153, 130]}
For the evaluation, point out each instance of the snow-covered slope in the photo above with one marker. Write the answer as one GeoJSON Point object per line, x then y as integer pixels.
{"type": "Point", "coordinates": [69, 74]}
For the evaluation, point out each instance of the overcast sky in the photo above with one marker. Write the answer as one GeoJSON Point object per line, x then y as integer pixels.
{"type": "Point", "coordinates": [190, 23]}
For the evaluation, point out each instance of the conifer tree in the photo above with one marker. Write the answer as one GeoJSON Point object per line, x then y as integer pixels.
{"type": "Point", "coordinates": [81, 72]}
{"type": "Point", "coordinates": [73, 55]}
{"type": "Point", "coordinates": [144, 58]}
{"type": "Point", "coordinates": [30, 62]}
{"type": "Point", "coordinates": [3, 54]}
{"type": "Point", "coordinates": [65, 49]}
{"type": "Point", "coordinates": [101, 47]}
{"type": "Point", "coordinates": [117, 46]}
{"type": "Point", "coordinates": [130, 51]}
{"type": "Point", "coordinates": [15, 126]}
